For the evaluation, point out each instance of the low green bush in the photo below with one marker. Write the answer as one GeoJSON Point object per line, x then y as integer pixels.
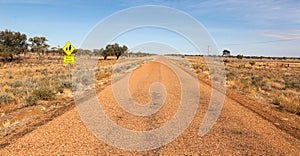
{"type": "Point", "coordinates": [276, 101]}
{"type": "Point", "coordinates": [5, 99]}
{"type": "Point", "coordinates": [30, 100]}
{"type": "Point", "coordinates": [252, 63]}
{"type": "Point", "coordinates": [43, 94]}
{"type": "Point", "coordinates": [17, 84]}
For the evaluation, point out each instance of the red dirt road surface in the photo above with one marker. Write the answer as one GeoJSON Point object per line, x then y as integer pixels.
{"type": "Point", "coordinates": [238, 131]}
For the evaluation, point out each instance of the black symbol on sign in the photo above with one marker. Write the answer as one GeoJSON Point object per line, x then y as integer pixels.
{"type": "Point", "coordinates": [69, 48]}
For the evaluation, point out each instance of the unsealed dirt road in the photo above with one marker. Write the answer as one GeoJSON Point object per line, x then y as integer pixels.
{"type": "Point", "coordinates": [237, 131]}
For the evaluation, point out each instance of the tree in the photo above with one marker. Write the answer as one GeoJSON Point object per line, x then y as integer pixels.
{"type": "Point", "coordinates": [239, 56]}
{"type": "Point", "coordinates": [113, 49]}
{"type": "Point", "coordinates": [38, 44]}
{"type": "Point", "coordinates": [124, 49]}
{"type": "Point", "coordinates": [1, 50]}
{"type": "Point", "coordinates": [226, 52]}
{"type": "Point", "coordinates": [12, 43]}
{"type": "Point", "coordinates": [108, 51]}
{"type": "Point", "coordinates": [118, 51]}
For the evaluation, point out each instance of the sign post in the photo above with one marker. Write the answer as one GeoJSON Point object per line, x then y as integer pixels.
{"type": "Point", "coordinates": [68, 49]}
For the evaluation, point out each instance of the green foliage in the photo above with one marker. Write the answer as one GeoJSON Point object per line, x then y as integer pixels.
{"type": "Point", "coordinates": [62, 85]}
{"type": "Point", "coordinates": [107, 52]}
{"type": "Point", "coordinates": [226, 52]}
{"type": "Point", "coordinates": [66, 84]}
{"type": "Point", "coordinates": [258, 82]}
{"type": "Point", "coordinates": [43, 94]}
{"type": "Point", "coordinates": [43, 83]}
{"type": "Point", "coordinates": [231, 75]}
{"type": "Point", "coordinates": [240, 56]}
{"type": "Point", "coordinates": [245, 82]}
{"type": "Point", "coordinates": [113, 49]}
{"type": "Point", "coordinates": [276, 101]}
{"type": "Point", "coordinates": [38, 44]}
{"type": "Point", "coordinates": [291, 82]}
{"type": "Point", "coordinates": [14, 91]}
{"type": "Point", "coordinates": [202, 67]}
{"type": "Point", "coordinates": [30, 84]}
{"type": "Point", "coordinates": [44, 72]}
{"type": "Point", "coordinates": [295, 85]}
{"type": "Point", "coordinates": [12, 43]}
{"type": "Point", "coordinates": [31, 100]}
{"type": "Point", "coordinates": [251, 63]}
{"type": "Point", "coordinates": [17, 84]}
{"type": "Point", "coordinates": [5, 99]}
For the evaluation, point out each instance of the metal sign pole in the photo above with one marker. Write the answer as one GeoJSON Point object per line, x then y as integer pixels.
{"type": "Point", "coordinates": [69, 71]}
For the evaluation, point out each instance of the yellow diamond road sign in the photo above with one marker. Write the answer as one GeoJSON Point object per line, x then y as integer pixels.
{"type": "Point", "coordinates": [69, 59]}
{"type": "Point", "coordinates": [68, 48]}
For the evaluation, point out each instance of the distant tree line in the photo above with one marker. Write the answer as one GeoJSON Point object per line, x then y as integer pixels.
{"type": "Point", "coordinates": [109, 50]}
{"type": "Point", "coordinates": [15, 43]}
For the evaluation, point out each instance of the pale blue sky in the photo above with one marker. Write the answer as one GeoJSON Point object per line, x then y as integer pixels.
{"type": "Point", "coordinates": [266, 27]}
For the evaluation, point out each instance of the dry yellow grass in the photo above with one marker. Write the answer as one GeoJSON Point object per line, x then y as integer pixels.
{"type": "Point", "coordinates": [267, 80]}
{"type": "Point", "coordinates": [19, 82]}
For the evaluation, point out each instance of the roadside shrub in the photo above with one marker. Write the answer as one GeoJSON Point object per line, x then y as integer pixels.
{"type": "Point", "coordinates": [66, 84]}
{"type": "Point", "coordinates": [258, 82]}
{"type": "Point", "coordinates": [74, 87]}
{"type": "Point", "coordinates": [61, 86]}
{"type": "Point", "coordinates": [231, 75]}
{"type": "Point", "coordinates": [17, 84]}
{"type": "Point", "coordinates": [44, 83]}
{"type": "Point", "coordinates": [128, 67]}
{"type": "Point", "coordinates": [30, 84]}
{"type": "Point", "coordinates": [30, 101]}
{"type": "Point", "coordinates": [5, 99]}
{"type": "Point", "coordinates": [86, 80]}
{"type": "Point", "coordinates": [276, 101]}
{"type": "Point", "coordinates": [251, 63]}
{"type": "Point", "coordinates": [43, 94]}
{"type": "Point", "coordinates": [14, 91]}
{"type": "Point", "coordinates": [44, 72]}
{"type": "Point", "coordinates": [117, 70]}
{"type": "Point", "coordinates": [107, 69]}
{"type": "Point", "coordinates": [295, 85]}
{"type": "Point", "coordinates": [245, 82]}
